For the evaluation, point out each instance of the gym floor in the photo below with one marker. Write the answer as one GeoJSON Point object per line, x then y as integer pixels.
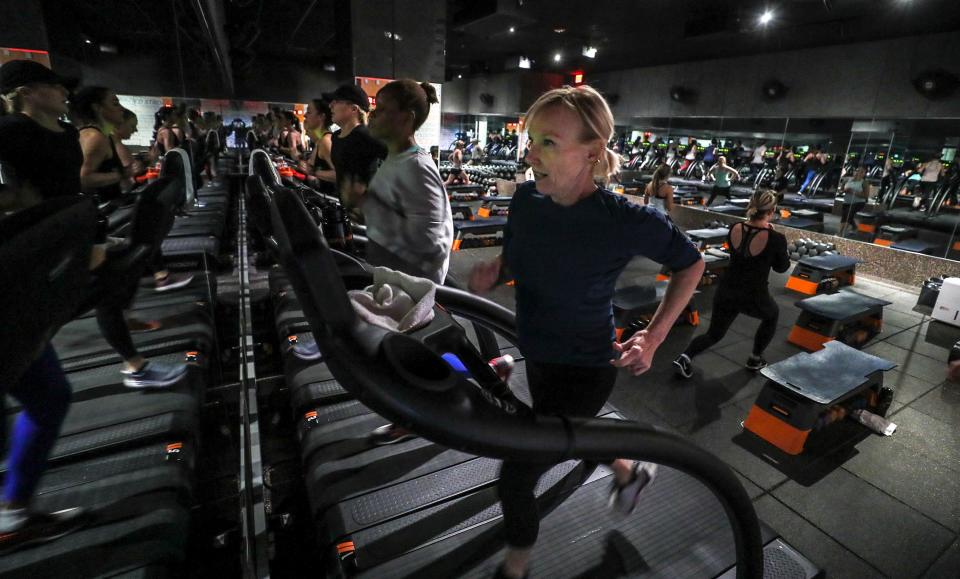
{"type": "Point", "coordinates": [884, 507]}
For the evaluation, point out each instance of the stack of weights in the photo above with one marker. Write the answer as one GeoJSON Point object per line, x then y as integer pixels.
{"type": "Point", "coordinates": [714, 224]}
{"type": "Point", "coordinates": [800, 248]}
{"type": "Point", "coordinates": [484, 175]}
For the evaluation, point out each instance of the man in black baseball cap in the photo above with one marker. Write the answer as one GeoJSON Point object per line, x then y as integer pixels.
{"type": "Point", "coordinates": [355, 154]}
{"type": "Point", "coordinates": [17, 73]}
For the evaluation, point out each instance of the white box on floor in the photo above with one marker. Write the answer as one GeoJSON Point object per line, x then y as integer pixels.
{"type": "Point", "coordinates": [947, 308]}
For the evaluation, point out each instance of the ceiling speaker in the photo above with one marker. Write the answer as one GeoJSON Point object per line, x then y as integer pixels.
{"type": "Point", "coordinates": [682, 94]}
{"type": "Point", "coordinates": [773, 90]}
{"type": "Point", "coordinates": [487, 99]}
{"type": "Point", "coordinates": [936, 84]}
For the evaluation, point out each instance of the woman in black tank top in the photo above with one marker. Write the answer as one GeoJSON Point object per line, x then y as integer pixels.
{"type": "Point", "coordinates": [755, 248]}
{"type": "Point", "coordinates": [97, 110]}
{"type": "Point", "coordinates": [164, 137]}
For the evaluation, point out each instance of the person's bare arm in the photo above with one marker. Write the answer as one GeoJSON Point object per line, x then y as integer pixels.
{"type": "Point", "coordinates": [668, 200]}
{"type": "Point", "coordinates": [637, 352]}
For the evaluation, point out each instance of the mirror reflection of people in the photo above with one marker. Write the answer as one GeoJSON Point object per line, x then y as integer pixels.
{"type": "Point", "coordinates": [566, 242]}
{"type": "Point", "coordinates": [659, 193]}
{"type": "Point", "coordinates": [856, 193]}
{"type": "Point", "coordinates": [458, 175]}
{"type": "Point", "coordinates": [355, 154]}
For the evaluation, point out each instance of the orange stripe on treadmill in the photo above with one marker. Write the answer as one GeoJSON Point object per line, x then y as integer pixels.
{"type": "Point", "coordinates": [807, 339]}
{"type": "Point", "coordinates": [801, 285]}
{"type": "Point", "coordinates": [866, 227]}
{"type": "Point", "coordinates": [775, 431]}
{"type": "Point", "coordinates": [662, 277]}
{"type": "Point", "coordinates": [346, 547]}
{"type": "Point", "coordinates": [883, 242]}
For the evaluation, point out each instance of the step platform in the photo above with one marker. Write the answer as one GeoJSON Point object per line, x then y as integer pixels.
{"type": "Point", "coordinates": [802, 223]}
{"type": "Point", "coordinates": [891, 234]}
{"type": "Point", "coordinates": [709, 237]}
{"type": "Point", "coordinates": [845, 316]}
{"type": "Point", "coordinates": [728, 209]}
{"type": "Point", "coordinates": [806, 394]}
{"type": "Point", "coordinates": [916, 246]}
{"type": "Point", "coordinates": [822, 273]}
{"type": "Point", "coordinates": [715, 260]}
{"type": "Point", "coordinates": [465, 192]}
{"type": "Point", "coordinates": [868, 222]}
{"type": "Point", "coordinates": [494, 206]}
{"type": "Point", "coordinates": [634, 306]}
{"type": "Point", "coordinates": [480, 233]}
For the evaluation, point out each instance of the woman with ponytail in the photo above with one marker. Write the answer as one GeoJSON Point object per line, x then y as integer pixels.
{"type": "Point", "coordinates": [659, 193]}
{"type": "Point", "coordinates": [565, 244]}
{"type": "Point", "coordinates": [755, 248]}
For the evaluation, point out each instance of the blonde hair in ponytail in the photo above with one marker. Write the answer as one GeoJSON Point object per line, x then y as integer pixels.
{"type": "Point", "coordinates": [596, 116]}
{"type": "Point", "coordinates": [762, 202]}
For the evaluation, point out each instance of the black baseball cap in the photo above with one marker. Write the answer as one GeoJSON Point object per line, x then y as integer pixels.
{"type": "Point", "coordinates": [350, 93]}
{"type": "Point", "coordinates": [17, 73]}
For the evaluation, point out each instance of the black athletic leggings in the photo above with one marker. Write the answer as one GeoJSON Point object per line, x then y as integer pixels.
{"type": "Point", "coordinates": [716, 191]}
{"type": "Point", "coordinates": [852, 210]}
{"type": "Point", "coordinates": [556, 389]}
{"type": "Point", "coordinates": [725, 310]}
{"type": "Point", "coordinates": [114, 328]}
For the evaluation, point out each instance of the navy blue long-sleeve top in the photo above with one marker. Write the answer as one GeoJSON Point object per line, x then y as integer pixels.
{"type": "Point", "coordinates": [566, 261]}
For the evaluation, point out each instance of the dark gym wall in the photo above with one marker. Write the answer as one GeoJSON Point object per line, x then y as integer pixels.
{"type": "Point", "coordinates": [512, 92]}
{"type": "Point", "coordinates": [21, 25]}
{"type": "Point", "coordinates": [856, 80]}
{"type": "Point", "coordinates": [418, 53]}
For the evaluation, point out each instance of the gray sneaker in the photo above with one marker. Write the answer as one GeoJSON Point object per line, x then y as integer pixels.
{"type": "Point", "coordinates": [172, 281]}
{"type": "Point", "coordinates": [624, 499]}
{"type": "Point", "coordinates": [154, 375]}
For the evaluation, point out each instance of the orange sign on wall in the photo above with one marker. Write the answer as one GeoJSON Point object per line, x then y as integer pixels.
{"type": "Point", "coordinates": [8, 54]}
{"type": "Point", "coordinates": [371, 86]}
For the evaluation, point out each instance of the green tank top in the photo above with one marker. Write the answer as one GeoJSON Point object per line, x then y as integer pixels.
{"type": "Point", "coordinates": [723, 178]}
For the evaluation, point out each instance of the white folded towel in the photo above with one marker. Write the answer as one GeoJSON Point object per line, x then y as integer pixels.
{"type": "Point", "coordinates": [396, 301]}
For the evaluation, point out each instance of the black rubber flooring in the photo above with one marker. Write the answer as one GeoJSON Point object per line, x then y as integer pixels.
{"type": "Point", "coordinates": [884, 507]}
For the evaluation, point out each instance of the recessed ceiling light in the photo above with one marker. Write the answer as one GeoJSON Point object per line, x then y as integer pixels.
{"type": "Point", "coordinates": [512, 30]}
{"type": "Point", "coordinates": [589, 51]}
{"type": "Point", "coordinates": [459, 76]}
{"type": "Point", "coordinates": [557, 57]}
{"type": "Point", "coordinates": [559, 29]}
{"type": "Point", "coordinates": [88, 41]}
{"type": "Point", "coordinates": [766, 17]}
{"type": "Point", "coordinates": [524, 62]}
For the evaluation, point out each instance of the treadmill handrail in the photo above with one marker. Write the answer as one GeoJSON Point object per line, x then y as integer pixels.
{"type": "Point", "coordinates": [402, 379]}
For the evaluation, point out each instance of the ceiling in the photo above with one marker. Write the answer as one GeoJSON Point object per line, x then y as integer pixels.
{"type": "Point", "coordinates": [626, 33]}
{"type": "Point", "coordinates": [629, 34]}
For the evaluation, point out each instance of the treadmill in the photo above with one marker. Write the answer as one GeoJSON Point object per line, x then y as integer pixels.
{"type": "Point", "coordinates": [395, 531]}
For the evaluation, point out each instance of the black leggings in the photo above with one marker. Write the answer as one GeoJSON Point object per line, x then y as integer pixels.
{"type": "Point", "coordinates": [555, 389]}
{"type": "Point", "coordinates": [852, 210]}
{"type": "Point", "coordinates": [114, 328]}
{"type": "Point", "coordinates": [762, 307]}
{"type": "Point", "coordinates": [725, 191]}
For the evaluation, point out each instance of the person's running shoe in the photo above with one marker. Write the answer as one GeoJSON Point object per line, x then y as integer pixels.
{"type": "Point", "coordinates": [684, 365]}
{"type": "Point", "coordinates": [172, 281]}
{"type": "Point", "coordinates": [154, 375]}
{"type": "Point", "coordinates": [390, 434]}
{"type": "Point", "coordinates": [625, 498]}
{"type": "Point", "coordinates": [20, 529]}
{"type": "Point", "coordinates": [755, 363]}
{"type": "Point", "coordinates": [137, 326]}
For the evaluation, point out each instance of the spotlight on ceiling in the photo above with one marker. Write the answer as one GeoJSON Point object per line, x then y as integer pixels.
{"type": "Point", "coordinates": [590, 51]}
{"type": "Point", "coordinates": [459, 76]}
{"type": "Point", "coordinates": [560, 29]}
{"type": "Point", "coordinates": [557, 57]}
{"type": "Point", "coordinates": [766, 17]}
{"type": "Point", "coordinates": [524, 62]}
{"type": "Point", "coordinates": [512, 30]}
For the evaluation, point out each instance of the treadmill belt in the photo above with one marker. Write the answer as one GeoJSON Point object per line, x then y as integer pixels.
{"type": "Point", "coordinates": [679, 530]}
{"type": "Point", "coordinates": [150, 531]}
